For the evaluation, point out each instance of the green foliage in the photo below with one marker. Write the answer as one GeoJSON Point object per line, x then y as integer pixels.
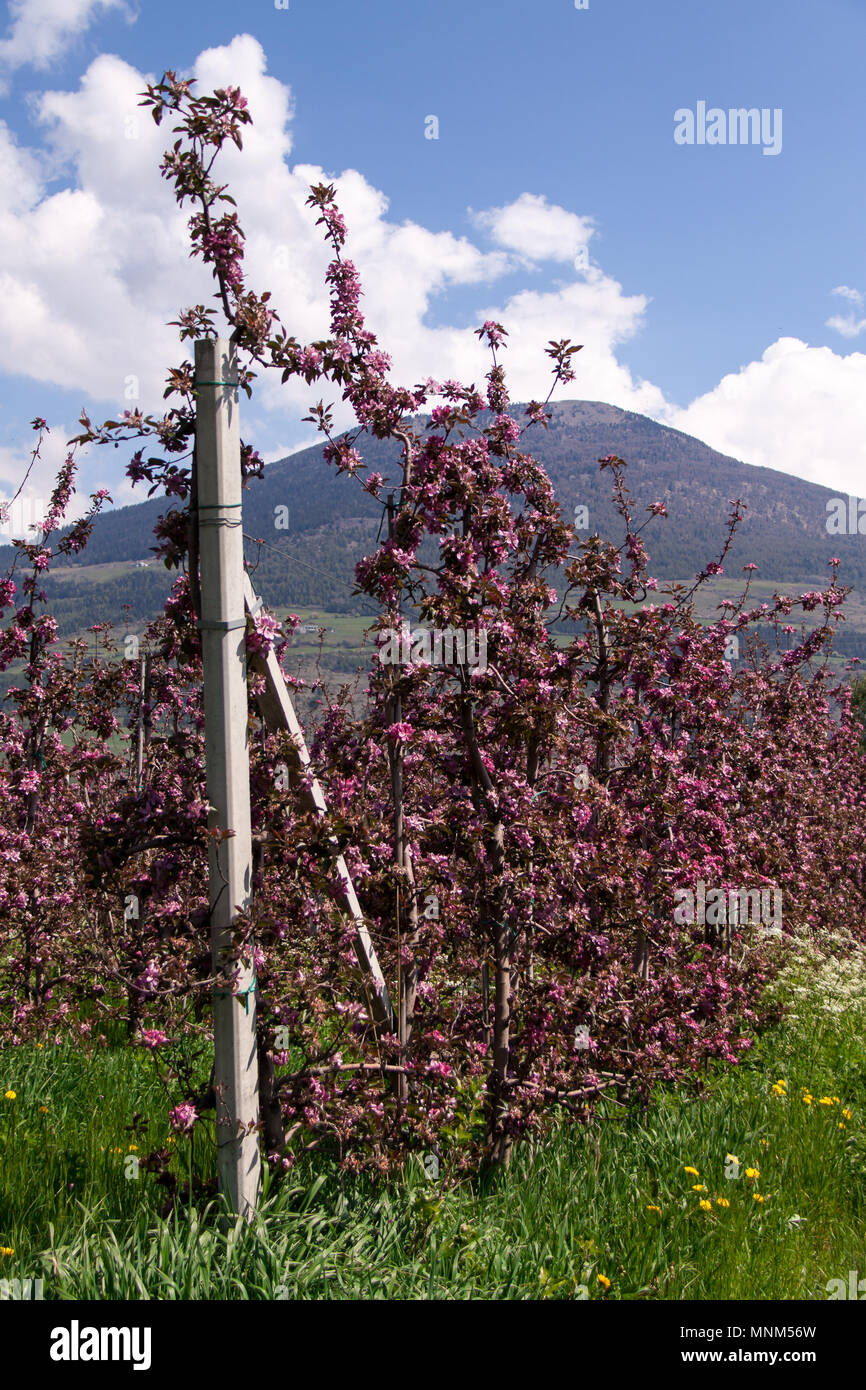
{"type": "Point", "coordinates": [858, 704]}
{"type": "Point", "coordinates": [571, 1212]}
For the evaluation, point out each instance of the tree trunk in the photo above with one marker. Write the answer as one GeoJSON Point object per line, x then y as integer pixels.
{"type": "Point", "coordinates": [499, 1142]}
{"type": "Point", "coordinates": [499, 935]}
{"type": "Point", "coordinates": [273, 1131]}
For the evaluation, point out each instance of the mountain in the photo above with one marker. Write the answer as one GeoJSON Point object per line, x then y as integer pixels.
{"type": "Point", "coordinates": [332, 522]}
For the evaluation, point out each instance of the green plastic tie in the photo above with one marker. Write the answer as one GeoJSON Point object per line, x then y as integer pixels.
{"type": "Point", "coordinates": [241, 994]}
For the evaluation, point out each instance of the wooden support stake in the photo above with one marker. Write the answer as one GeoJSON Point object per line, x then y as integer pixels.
{"type": "Point", "coordinates": [278, 712]}
{"type": "Point", "coordinates": [223, 637]}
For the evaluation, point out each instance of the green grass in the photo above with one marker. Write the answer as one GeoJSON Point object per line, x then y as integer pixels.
{"type": "Point", "coordinates": [571, 1209]}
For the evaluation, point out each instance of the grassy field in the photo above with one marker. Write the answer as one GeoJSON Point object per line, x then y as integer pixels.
{"type": "Point", "coordinates": [753, 1189]}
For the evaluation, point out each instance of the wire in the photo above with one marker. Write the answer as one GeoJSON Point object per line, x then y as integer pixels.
{"type": "Point", "coordinates": [293, 560]}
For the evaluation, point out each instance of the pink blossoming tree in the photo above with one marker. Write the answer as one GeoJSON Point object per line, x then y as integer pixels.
{"type": "Point", "coordinates": [518, 830]}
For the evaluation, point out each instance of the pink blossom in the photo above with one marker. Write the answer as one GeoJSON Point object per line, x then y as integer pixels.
{"type": "Point", "coordinates": [183, 1117]}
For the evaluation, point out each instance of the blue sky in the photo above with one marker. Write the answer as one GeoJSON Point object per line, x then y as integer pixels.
{"type": "Point", "coordinates": [723, 290]}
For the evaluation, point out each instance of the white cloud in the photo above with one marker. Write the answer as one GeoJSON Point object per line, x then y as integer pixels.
{"type": "Point", "coordinates": [32, 505]}
{"type": "Point", "coordinates": [94, 273]}
{"type": "Point", "coordinates": [14, 465]}
{"type": "Point", "coordinates": [847, 293]}
{"type": "Point", "coordinates": [536, 229]}
{"type": "Point", "coordinates": [848, 325]}
{"type": "Point", "coordinates": [41, 29]}
{"type": "Point", "coordinates": [800, 409]}
{"type": "Point", "coordinates": [594, 313]}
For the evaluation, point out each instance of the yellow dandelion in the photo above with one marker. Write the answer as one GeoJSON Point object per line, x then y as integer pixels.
{"type": "Point", "coordinates": [652, 1208]}
{"type": "Point", "coordinates": [699, 1187]}
{"type": "Point", "coordinates": [779, 1090]}
{"type": "Point", "coordinates": [807, 1099]}
{"type": "Point", "coordinates": [722, 1202]}
{"type": "Point", "coordinates": [694, 1171]}
{"type": "Point", "coordinates": [756, 1197]}
{"type": "Point", "coordinates": [604, 1281]}
{"type": "Point", "coordinates": [753, 1172]}
{"type": "Point", "coordinates": [39, 1044]}
{"type": "Point", "coordinates": [848, 1114]}
{"type": "Point", "coordinates": [43, 1109]}
{"type": "Point", "coordinates": [7, 1249]}
{"type": "Point", "coordinates": [10, 1095]}
{"type": "Point", "coordinates": [765, 1143]}
{"type": "Point", "coordinates": [826, 1100]}
{"type": "Point", "coordinates": [705, 1205]}
{"type": "Point", "coordinates": [780, 1082]}
{"type": "Point", "coordinates": [133, 1148]}
{"type": "Point", "coordinates": [842, 1124]}
{"type": "Point", "coordinates": [835, 1100]}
